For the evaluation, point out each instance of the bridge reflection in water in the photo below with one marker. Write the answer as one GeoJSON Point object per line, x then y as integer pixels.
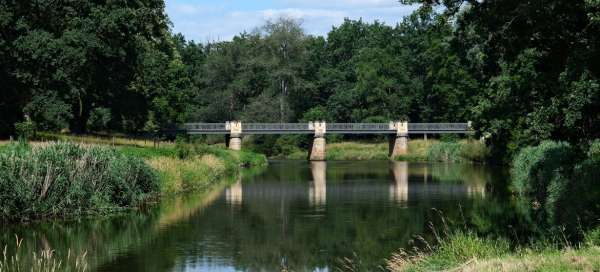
{"type": "Point", "coordinates": [234, 194]}
{"type": "Point", "coordinates": [317, 192]}
{"type": "Point", "coordinates": [406, 181]}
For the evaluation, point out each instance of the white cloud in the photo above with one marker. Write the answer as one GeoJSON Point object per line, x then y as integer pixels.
{"type": "Point", "coordinates": [214, 22]}
{"type": "Point", "coordinates": [343, 3]}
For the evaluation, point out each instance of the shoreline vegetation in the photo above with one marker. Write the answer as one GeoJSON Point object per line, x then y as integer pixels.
{"type": "Point", "coordinates": [65, 179]}
{"type": "Point", "coordinates": [462, 251]}
{"type": "Point", "coordinates": [432, 150]}
{"type": "Point", "coordinates": [548, 182]}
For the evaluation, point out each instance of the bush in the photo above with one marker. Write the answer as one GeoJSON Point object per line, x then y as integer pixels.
{"type": "Point", "coordinates": [592, 238]}
{"type": "Point", "coordinates": [474, 151]}
{"type": "Point", "coordinates": [99, 119]}
{"type": "Point", "coordinates": [594, 150]}
{"type": "Point", "coordinates": [444, 152]}
{"type": "Point", "coordinates": [63, 180]}
{"type": "Point", "coordinates": [544, 176]}
{"type": "Point", "coordinates": [537, 171]}
{"type": "Point", "coordinates": [26, 129]}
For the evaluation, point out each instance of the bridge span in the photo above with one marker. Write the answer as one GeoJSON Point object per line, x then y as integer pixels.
{"type": "Point", "coordinates": [398, 132]}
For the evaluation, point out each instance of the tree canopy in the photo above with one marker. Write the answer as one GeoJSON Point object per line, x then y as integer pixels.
{"type": "Point", "coordinates": [523, 71]}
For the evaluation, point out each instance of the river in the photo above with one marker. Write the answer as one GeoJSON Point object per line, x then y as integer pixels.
{"type": "Point", "coordinates": [293, 216]}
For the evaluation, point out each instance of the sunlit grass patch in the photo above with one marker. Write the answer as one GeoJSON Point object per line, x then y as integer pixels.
{"type": "Point", "coordinates": [103, 140]}
{"type": "Point", "coordinates": [468, 252]}
{"type": "Point", "coordinates": [66, 179]}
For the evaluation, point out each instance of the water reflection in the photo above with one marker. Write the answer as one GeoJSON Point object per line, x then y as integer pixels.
{"type": "Point", "coordinates": [399, 189]}
{"type": "Point", "coordinates": [234, 194]}
{"type": "Point", "coordinates": [317, 192]}
{"type": "Point", "coordinates": [295, 216]}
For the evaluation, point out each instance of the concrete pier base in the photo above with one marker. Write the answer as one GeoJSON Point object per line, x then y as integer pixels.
{"type": "Point", "coordinates": [398, 146]}
{"type": "Point", "coordinates": [317, 150]}
{"type": "Point", "coordinates": [235, 143]}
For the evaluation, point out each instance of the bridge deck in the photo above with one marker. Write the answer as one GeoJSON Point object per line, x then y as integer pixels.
{"type": "Point", "coordinates": [331, 128]}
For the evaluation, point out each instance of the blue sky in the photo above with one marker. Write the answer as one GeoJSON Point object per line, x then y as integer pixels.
{"type": "Point", "coordinates": [204, 20]}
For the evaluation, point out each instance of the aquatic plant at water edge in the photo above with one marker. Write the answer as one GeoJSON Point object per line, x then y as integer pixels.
{"type": "Point", "coordinates": [64, 179]}
{"type": "Point", "coordinates": [45, 260]}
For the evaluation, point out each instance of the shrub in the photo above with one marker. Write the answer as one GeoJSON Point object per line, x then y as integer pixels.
{"type": "Point", "coordinates": [444, 152]}
{"type": "Point", "coordinates": [99, 119]}
{"type": "Point", "coordinates": [592, 238]}
{"type": "Point", "coordinates": [26, 129]}
{"type": "Point", "coordinates": [535, 169]}
{"type": "Point", "coordinates": [62, 180]}
{"type": "Point", "coordinates": [474, 151]}
{"type": "Point", "coordinates": [543, 175]}
{"type": "Point", "coordinates": [594, 150]}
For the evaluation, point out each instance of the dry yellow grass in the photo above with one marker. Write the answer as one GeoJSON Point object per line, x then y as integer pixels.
{"type": "Point", "coordinates": [567, 260]}
{"type": "Point", "coordinates": [179, 175]}
{"type": "Point", "coordinates": [109, 140]}
{"type": "Point", "coordinates": [584, 259]}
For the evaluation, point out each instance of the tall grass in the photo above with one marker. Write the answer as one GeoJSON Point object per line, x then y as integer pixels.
{"type": "Point", "coordinates": [461, 151]}
{"type": "Point", "coordinates": [64, 180]}
{"type": "Point", "coordinates": [101, 140]}
{"type": "Point", "coordinates": [42, 261]}
{"type": "Point", "coordinates": [194, 167]}
{"type": "Point", "coordinates": [463, 251]}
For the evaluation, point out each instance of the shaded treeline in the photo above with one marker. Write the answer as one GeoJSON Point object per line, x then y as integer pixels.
{"type": "Point", "coordinates": [522, 71]}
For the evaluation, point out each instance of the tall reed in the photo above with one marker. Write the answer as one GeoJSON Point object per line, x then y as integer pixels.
{"type": "Point", "coordinates": [65, 179]}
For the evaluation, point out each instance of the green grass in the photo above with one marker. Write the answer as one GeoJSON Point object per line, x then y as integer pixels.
{"type": "Point", "coordinates": [65, 179]}
{"type": "Point", "coordinates": [116, 140]}
{"type": "Point", "coordinates": [418, 150]}
{"type": "Point", "coordinates": [460, 151]}
{"type": "Point", "coordinates": [48, 180]}
{"type": "Point", "coordinates": [467, 252]}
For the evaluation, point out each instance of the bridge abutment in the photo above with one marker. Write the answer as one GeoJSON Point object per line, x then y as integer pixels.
{"type": "Point", "coordinates": [398, 145]}
{"type": "Point", "coordinates": [318, 148]}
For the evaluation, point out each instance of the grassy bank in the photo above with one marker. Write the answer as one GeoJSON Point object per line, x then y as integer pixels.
{"type": "Point", "coordinates": [49, 180]}
{"type": "Point", "coordinates": [418, 150]}
{"type": "Point", "coordinates": [194, 167]}
{"type": "Point", "coordinates": [467, 252]}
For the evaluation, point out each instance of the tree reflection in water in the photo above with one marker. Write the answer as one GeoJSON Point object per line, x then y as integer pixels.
{"type": "Point", "coordinates": [296, 215]}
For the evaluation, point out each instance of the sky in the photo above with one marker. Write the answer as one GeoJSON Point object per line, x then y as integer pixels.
{"type": "Point", "coordinates": [205, 20]}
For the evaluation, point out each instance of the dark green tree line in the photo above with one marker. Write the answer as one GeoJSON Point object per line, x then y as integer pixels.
{"type": "Point", "coordinates": [523, 71]}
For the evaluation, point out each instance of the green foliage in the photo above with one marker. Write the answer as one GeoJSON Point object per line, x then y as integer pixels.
{"type": "Point", "coordinates": [77, 57]}
{"type": "Point", "coordinates": [66, 180]}
{"type": "Point", "coordinates": [99, 119]}
{"type": "Point", "coordinates": [444, 152]}
{"type": "Point", "coordinates": [26, 130]}
{"type": "Point", "coordinates": [592, 238]}
{"type": "Point", "coordinates": [540, 171]}
{"type": "Point", "coordinates": [552, 177]}
{"type": "Point", "coordinates": [461, 151]}
{"type": "Point", "coordinates": [594, 150]}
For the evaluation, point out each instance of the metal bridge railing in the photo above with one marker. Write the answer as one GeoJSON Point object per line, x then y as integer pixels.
{"type": "Point", "coordinates": [358, 126]}
{"type": "Point", "coordinates": [205, 126]}
{"type": "Point", "coordinates": [369, 128]}
{"type": "Point", "coordinates": [275, 126]}
{"type": "Point", "coordinates": [438, 127]}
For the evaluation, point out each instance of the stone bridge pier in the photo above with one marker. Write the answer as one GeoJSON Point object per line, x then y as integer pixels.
{"type": "Point", "coordinates": [235, 135]}
{"type": "Point", "coordinates": [398, 144]}
{"type": "Point", "coordinates": [317, 150]}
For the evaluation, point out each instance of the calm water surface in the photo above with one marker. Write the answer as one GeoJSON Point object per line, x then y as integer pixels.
{"type": "Point", "coordinates": [298, 216]}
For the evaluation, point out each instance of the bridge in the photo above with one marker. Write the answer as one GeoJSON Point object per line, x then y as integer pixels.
{"type": "Point", "coordinates": [398, 132]}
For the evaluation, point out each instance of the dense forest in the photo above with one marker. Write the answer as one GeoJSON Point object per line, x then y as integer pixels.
{"type": "Point", "coordinates": [522, 71]}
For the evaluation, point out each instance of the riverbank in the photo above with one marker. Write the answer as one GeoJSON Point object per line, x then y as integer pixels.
{"type": "Point", "coordinates": [467, 252]}
{"type": "Point", "coordinates": [418, 151]}
{"type": "Point", "coordinates": [66, 180]}
{"type": "Point", "coordinates": [548, 182]}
